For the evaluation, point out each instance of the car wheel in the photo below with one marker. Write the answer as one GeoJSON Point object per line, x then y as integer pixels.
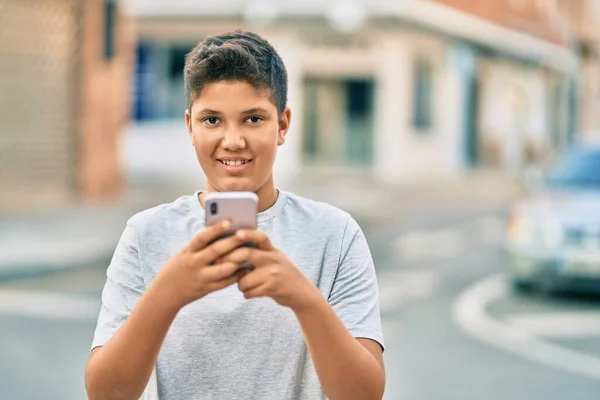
{"type": "Point", "coordinates": [523, 286]}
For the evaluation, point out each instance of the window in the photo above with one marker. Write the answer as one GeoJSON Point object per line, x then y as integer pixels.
{"type": "Point", "coordinates": [338, 127]}
{"type": "Point", "coordinates": [423, 96]}
{"type": "Point", "coordinates": [177, 61]}
{"type": "Point", "coordinates": [110, 16]}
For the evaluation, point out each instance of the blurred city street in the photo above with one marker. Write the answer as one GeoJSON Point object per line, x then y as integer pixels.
{"type": "Point", "coordinates": [446, 338]}
{"type": "Point", "coordinates": [433, 245]}
{"type": "Point", "coordinates": [462, 135]}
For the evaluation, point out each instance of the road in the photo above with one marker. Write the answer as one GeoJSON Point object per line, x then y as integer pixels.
{"type": "Point", "coordinates": [454, 329]}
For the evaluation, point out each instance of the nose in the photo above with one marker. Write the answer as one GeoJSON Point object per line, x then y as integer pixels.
{"type": "Point", "coordinates": [233, 140]}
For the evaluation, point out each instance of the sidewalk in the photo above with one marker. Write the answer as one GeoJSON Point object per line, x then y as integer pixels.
{"type": "Point", "coordinates": [83, 235]}
{"type": "Point", "coordinates": [378, 207]}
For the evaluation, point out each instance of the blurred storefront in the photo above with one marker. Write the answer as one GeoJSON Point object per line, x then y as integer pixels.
{"type": "Point", "coordinates": [65, 73]}
{"type": "Point", "coordinates": [530, 109]}
{"type": "Point", "coordinates": [584, 20]}
{"type": "Point", "coordinates": [405, 90]}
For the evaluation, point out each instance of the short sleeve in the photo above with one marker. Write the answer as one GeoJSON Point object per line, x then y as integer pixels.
{"type": "Point", "coordinates": [355, 293]}
{"type": "Point", "coordinates": [123, 288]}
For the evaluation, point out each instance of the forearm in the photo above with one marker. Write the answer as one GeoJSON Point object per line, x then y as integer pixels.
{"type": "Point", "coordinates": [346, 369]}
{"type": "Point", "coordinates": [122, 367]}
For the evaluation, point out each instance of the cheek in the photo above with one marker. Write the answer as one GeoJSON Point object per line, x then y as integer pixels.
{"type": "Point", "coordinates": [203, 145]}
{"type": "Point", "coordinates": [266, 151]}
{"type": "Point", "coordinates": [267, 142]}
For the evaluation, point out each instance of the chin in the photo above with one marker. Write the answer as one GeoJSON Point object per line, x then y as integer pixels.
{"type": "Point", "coordinates": [235, 185]}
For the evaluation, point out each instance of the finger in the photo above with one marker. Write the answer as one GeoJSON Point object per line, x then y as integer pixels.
{"type": "Point", "coordinates": [254, 236]}
{"type": "Point", "coordinates": [223, 283]}
{"type": "Point", "coordinates": [247, 254]}
{"type": "Point", "coordinates": [252, 280]}
{"type": "Point", "coordinates": [202, 239]}
{"type": "Point", "coordinates": [259, 291]}
{"type": "Point", "coordinates": [245, 272]}
{"type": "Point", "coordinates": [216, 273]}
{"type": "Point", "coordinates": [215, 251]}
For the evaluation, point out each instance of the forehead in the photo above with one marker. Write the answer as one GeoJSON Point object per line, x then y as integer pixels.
{"type": "Point", "coordinates": [233, 95]}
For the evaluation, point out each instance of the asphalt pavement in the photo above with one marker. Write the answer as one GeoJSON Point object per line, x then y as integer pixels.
{"type": "Point", "coordinates": [454, 328]}
{"type": "Point", "coordinates": [457, 330]}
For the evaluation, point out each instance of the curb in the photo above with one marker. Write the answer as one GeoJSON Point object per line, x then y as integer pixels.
{"type": "Point", "coordinates": [434, 222]}
{"type": "Point", "coordinates": [16, 271]}
{"type": "Point", "coordinates": [24, 271]}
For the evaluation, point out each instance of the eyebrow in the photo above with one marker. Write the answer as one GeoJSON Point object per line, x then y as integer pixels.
{"type": "Point", "coordinates": [208, 111]}
{"type": "Point", "coordinates": [255, 110]}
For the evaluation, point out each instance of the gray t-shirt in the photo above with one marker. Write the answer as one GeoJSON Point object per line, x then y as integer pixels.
{"type": "Point", "coordinates": [224, 346]}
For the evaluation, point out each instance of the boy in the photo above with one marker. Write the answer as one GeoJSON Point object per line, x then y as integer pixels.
{"type": "Point", "coordinates": [304, 324]}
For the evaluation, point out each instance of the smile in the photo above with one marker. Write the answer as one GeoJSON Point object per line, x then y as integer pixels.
{"type": "Point", "coordinates": [234, 162]}
{"type": "Point", "coordinates": [234, 166]}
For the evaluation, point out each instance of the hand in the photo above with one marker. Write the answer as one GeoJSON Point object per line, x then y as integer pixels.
{"type": "Point", "coordinates": [192, 273]}
{"type": "Point", "coordinates": [274, 276]}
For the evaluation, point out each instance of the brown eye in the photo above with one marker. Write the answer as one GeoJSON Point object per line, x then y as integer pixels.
{"type": "Point", "coordinates": [211, 121]}
{"type": "Point", "coordinates": [254, 120]}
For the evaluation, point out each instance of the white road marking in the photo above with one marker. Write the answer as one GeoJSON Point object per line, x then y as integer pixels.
{"type": "Point", "coordinates": [395, 290]}
{"type": "Point", "coordinates": [412, 245]}
{"type": "Point", "coordinates": [400, 288]}
{"type": "Point", "coordinates": [430, 245]}
{"type": "Point", "coordinates": [470, 314]}
{"type": "Point", "coordinates": [48, 305]}
{"type": "Point", "coordinates": [559, 325]}
{"type": "Point", "coordinates": [490, 230]}
{"type": "Point", "coordinates": [447, 243]}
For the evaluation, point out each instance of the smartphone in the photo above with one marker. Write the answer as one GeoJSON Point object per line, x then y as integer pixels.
{"type": "Point", "coordinates": [240, 208]}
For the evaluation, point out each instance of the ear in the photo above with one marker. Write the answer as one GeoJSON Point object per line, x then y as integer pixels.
{"type": "Point", "coordinates": [284, 125]}
{"type": "Point", "coordinates": [188, 124]}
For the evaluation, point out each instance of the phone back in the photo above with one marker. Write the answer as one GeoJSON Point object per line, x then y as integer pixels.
{"type": "Point", "coordinates": [238, 207]}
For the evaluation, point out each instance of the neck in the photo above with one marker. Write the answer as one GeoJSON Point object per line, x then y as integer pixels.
{"type": "Point", "coordinates": [267, 195]}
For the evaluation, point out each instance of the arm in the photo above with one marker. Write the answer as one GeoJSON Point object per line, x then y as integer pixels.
{"type": "Point", "coordinates": [135, 330]}
{"type": "Point", "coordinates": [354, 301]}
{"type": "Point", "coordinates": [342, 332]}
{"type": "Point", "coordinates": [121, 368]}
{"type": "Point", "coordinates": [348, 368]}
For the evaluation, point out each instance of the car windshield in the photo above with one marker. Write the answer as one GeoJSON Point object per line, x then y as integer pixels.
{"type": "Point", "coordinates": [579, 168]}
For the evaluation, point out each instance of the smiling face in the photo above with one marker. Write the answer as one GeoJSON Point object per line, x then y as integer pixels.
{"type": "Point", "coordinates": [235, 130]}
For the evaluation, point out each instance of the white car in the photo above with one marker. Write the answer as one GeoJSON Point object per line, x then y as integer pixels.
{"type": "Point", "coordinates": [553, 236]}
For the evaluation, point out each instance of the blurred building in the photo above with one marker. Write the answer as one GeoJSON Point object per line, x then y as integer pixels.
{"type": "Point", "coordinates": [584, 21]}
{"type": "Point", "coordinates": [65, 73]}
{"type": "Point", "coordinates": [526, 103]}
{"type": "Point", "coordinates": [405, 90]}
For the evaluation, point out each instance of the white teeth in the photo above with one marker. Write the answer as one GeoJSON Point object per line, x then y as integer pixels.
{"type": "Point", "coordinates": [237, 162]}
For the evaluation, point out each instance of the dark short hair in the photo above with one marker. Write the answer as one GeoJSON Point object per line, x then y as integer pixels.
{"type": "Point", "coordinates": [236, 56]}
